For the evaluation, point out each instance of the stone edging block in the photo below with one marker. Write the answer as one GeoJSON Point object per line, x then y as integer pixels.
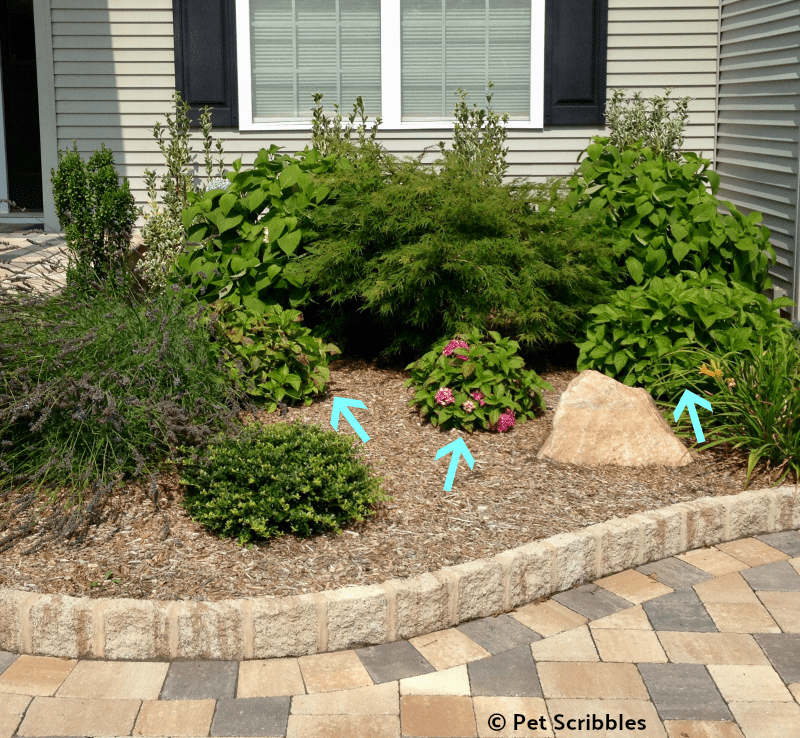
{"type": "Point", "coordinates": [275, 627]}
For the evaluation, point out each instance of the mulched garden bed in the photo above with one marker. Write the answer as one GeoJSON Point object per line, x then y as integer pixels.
{"type": "Point", "coordinates": [510, 498]}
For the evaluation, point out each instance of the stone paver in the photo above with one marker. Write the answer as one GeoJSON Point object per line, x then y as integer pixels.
{"type": "Point", "coordinates": [200, 680]}
{"type": "Point", "coordinates": [253, 716]}
{"type": "Point", "coordinates": [674, 573]}
{"type": "Point", "coordinates": [684, 692]}
{"type": "Point", "coordinates": [681, 610]}
{"type": "Point", "coordinates": [508, 674]}
{"type": "Point", "coordinates": [498, 634]}
{"type": "Point", "coordinates": [392, 661]}
{"type": "Point", "coordinates": [707, 647]}
{"type": "Point", "coordinates": [592, 601]}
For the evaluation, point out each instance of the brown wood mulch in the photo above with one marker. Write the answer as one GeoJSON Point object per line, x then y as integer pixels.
{"type": "Point", "coordinates": [510, 498]}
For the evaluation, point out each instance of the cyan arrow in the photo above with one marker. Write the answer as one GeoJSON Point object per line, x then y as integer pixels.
{"type": "Point", "coordinates": [341, 405]}
{"type": "Point", "coordinates": [458, 448]}
{"type": "Point", "coordinates": [688, 400]}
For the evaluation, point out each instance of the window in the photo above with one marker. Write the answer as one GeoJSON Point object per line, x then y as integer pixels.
{"type": "Point", "coordinates": [406, 58]}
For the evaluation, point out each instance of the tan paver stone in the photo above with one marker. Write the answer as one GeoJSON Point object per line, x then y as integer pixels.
{"type": "Point", "coordinates": [701, 729]}
{"type": "Point", "coordinates": [739, 683]}
{"type": "Point", "coordinates": [632, 646]}
{"type": "Point", "coordinates": [634, 586]}
{"type": "Point", "coordinates": [453, 681]}
{"type": "Point", "coordinates": [571, 645]}
{"type": "Point", "coordinates": [713, 561]}
{"type": "Point", "coordinates": [380, 699]}
{"type": "Point", "coordinates": [39, 676]}
{"type": "Point", "coordinates": [548, 618]}
{"type": "Point", "coordinates": [795, 563]}
{"type": "Point", "coordinates": [343, 726]}
{"type": "Point", "coordinates": [634, 618]}
{"type": "Point", "coordinates": [533, 708]}
{"type": "Point", "coordinates": [629, 709]}
{"type": "Point", "coordinates": [115, 680]}
{"type": "Point", "coordinates": [446, 648]}
{"type": "Point", "coordinates": [12, 708]}
{"type": "Point", "coordinates": [567, 680]}
{"type": "Point", "coordinates": [795, 690]}
{"type": "Point", "coordinates": [784, 608]}
{"type": "Point", "coordinates": [71, 716]}
{"type": "Point", "coordinates": [436, 716]}
{"type": "Point", "coordinates": [728, 588]}
{"type": "Point", "coordinates": [732, 617]}
{"type": "Point", "coordinates": [175, 717]}
{"type": "Point", "coordinates": [712, 648]}
{"type": "Point", "coordinates": [752, 552]}
{"type": "Point", "coordinates": [270, 678]}
{"type": "Point", "coordinates": [767, 719]}
{"type": "Point", "coordinates": [326, 672]}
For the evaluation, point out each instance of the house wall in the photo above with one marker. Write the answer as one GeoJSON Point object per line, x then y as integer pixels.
{"type": "Point", "coordinates": [758, 125]}
{"type": "Point", "coordinates": [114, 76]}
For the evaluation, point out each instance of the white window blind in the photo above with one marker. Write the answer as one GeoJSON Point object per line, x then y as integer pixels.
{"type": "Point", "coordinates": [301, 47]}
{"type": "Point", "coordinates": [447, 44]}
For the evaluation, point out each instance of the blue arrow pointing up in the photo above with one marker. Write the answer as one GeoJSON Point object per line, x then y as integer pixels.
{"type": "Point", "coordinates": [689, 400]}
{"type": "Point", "coordinates": [341, 405]}
{"type": "Point", "coordinates": [458, 448]}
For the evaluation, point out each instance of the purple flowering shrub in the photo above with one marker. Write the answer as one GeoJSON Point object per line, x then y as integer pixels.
{"type": "Point", "coordinates": [474, 382]}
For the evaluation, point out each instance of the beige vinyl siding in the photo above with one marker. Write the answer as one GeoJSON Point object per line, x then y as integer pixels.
{"type": "Point", "coordinates": [758, 124]}
{"type": "Point", "coordinates": [114, 76]}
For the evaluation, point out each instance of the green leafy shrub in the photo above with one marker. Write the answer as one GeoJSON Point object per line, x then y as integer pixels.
{"type": "Point", "coordinates": [396, 261]}
{"type": "Point", "coordinates": [242, 241]}
{"type": "Point", "coordinates": [659, 129]}
{"type": "Point", "coordinates": [470, 383]}
{"type": "Point", "coordinates": [643, 326]}
{"type": "Point", "coordinates": [163, 233]}
{"type": "Point", "coordinates": [272, 356]}
{"type": "Point", "coordinates": [666, 219]}
{"type": "Point", "coordinates": [94, 389]}
{"type": "Point", "coordinates": [95, 212]}
{"type": "Point", "coordinates": [754, 396]}
{"type": "Point", "coordinates": [279, 478]}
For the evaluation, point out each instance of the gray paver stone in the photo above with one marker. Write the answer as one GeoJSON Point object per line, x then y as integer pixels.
{"type": "Point", "coordinates": [251, 716]}
{"type": "Point", "coordinates": [508, 674]}
{"type": "Point", "coordinates": [675, 573]}
{"type": "Point", "coordinates": [591, 601]}
{"type": "Point", "coordinates": [498, 634]}
{"type": "Point", "coordinates": [6, 659]}
{"type": "Point", "coordinates": [783, 651]}
{"type": "Point", "coordinates": [684, 692]}
{"type": "Point", "coordinates": [681, 611]}
{"type": "Point", "coordinates": [787, 541]}
{"type": "Point", "coordinates": [779, 576]}
{"type": "Point", "coordinates": [200, 680]}
{"type": "Point", "coordinates": [391, 661]}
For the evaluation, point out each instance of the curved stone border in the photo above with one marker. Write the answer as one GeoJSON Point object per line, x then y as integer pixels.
{"type": "Point", "coordinates": [260, 628]}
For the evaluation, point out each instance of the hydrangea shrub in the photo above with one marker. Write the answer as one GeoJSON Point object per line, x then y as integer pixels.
{"type": "Point", "coordinates": [471, 383]}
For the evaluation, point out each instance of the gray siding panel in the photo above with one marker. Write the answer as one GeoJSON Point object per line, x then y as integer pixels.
{"type": "Point", "coordinates": [758, 122]}
{"type": "Point", "coordinates": [114, 78]}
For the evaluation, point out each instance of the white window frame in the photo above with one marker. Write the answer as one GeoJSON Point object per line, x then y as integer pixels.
{"type": "Point", "coordinates": [390, 76]}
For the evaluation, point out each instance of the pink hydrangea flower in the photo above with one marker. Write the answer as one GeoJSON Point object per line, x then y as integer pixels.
{"type": "Point", "coordinates": [478, 395]}
{"type": "Point", "coordinates": [469, 406]}
{"type": "Point", "coordinates": [505, 422]}
{"type": "Point", "coordinates": [445, 396]}
{"type": "Point", "coordinates": [453, 345]}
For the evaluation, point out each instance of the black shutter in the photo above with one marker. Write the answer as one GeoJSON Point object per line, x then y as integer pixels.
{"type": "Point", "coordinates": [576, 43]}
{"type": "Point", "coordinates": [205, 59]}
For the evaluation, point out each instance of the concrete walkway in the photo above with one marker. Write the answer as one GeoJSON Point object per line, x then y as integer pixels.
{"type": "Point", "coordinates": [702, 645]}
{"type": "Point", "coordinates": [31, 261]}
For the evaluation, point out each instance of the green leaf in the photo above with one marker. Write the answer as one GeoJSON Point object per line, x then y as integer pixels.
{"type": "Point", "coordinates": [468, 369]}
{"type": "Point", "coordinates": [290, 242]}
{"type": "Point", "coordinates": [635, 269]}
{"type": "Point", "coordinates": [289, 176]}
{"type": "Point", "coordinates": [679, 250]}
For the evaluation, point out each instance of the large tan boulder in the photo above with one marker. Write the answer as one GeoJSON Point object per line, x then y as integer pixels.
{"type": "Point", "coordinates": [601, 421]}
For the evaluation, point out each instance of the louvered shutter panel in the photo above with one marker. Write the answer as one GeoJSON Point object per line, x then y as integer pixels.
{"type": "Point", "coordinates": [576, 42]}
{"type": "Point", "coordinates": [205, 59]}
